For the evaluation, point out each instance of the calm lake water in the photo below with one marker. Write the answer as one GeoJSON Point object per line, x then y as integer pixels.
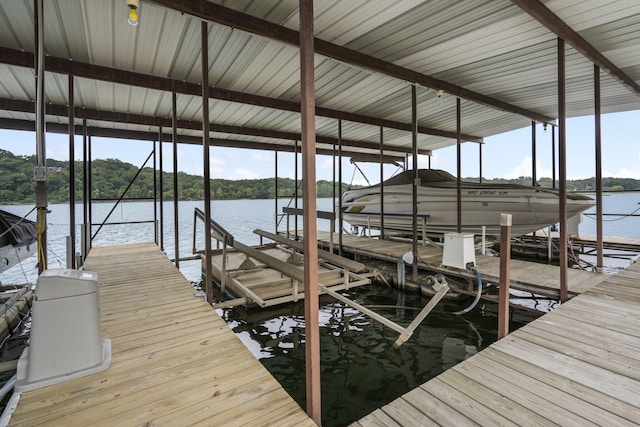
{"type": "Point", "coordinates": [360, 370]}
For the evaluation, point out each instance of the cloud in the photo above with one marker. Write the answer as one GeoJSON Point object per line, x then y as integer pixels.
{"type": "Point", "coordinates": [262, 156]}
{"type": "Point", "coordinates": [623, 173]}
{"type": "Point", "coordinates": [522, 169]}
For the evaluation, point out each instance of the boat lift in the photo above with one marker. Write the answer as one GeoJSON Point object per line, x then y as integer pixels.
{"type": "Point", "coordinates": [350, 269]}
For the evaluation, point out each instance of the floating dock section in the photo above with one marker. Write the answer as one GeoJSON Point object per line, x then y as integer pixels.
{"type": "Point", "coordinates": [542, 279]}
{"type": "Point", "coordinates": [174, 360]}
{"type": "Point", "coordinates": [578, 365]}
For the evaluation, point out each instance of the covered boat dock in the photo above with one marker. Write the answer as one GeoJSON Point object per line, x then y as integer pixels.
{"type": "Point", "coordinates": [381, 81]}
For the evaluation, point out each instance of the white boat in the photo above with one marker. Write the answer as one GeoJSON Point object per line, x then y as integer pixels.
{"type": "Point", "coordinates": [532, 208]}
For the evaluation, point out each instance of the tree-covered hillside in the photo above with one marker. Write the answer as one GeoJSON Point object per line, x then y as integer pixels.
{"type": "Point", "coordinates": [110, 178]}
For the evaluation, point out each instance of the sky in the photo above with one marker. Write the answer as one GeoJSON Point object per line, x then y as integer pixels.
{"type": "Point", "coordinates": [506, 155]}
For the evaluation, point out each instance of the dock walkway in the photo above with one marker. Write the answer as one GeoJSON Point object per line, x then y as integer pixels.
{"type": "Point", "coordinates": [174, 360]}
{"type": "Point", "coordinates": [542, 279]}
{"type": "Point", "coordinates": [577, 365]}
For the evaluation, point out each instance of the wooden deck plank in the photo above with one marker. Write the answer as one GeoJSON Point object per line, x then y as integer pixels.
{"type": "Point", "coordinates": [519, 393]}
{"type": "Point", "coordinates": [590, 335]}
{"type": "Point", "coordinates": [578, 365]}
{"type": "Point", "coordinates": [172, 355]}
{"type": "Point", "coordinates": [610, 321]}
{"type": "Point", "coordinates": [577, 350]}
{"type": "Point", "coordinates": [405, 414]}
{"type": "Point", "coordinates": [614, 384]}
{"type": "Point", "coordinates": [528, 276]}
{"type": "Point", "coordinates": [485, 394]}
{"type": "Point", "coordinates": [470, 408]}
{"type": "Point", "coordinates": [125, 370]}
{"type": "Point", "coordinates": [437, 410]}
{"type": "Point", "coordinates": [548, 393]}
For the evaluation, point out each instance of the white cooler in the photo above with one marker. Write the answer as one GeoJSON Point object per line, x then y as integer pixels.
{"type": "Point", "coordinates": [66, 338]}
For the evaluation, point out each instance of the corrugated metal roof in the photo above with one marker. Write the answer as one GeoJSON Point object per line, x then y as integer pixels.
{"type": "Point", "coordinates": [488, 46]}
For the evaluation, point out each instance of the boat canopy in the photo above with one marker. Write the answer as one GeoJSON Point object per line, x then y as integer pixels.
{"type": "Point", "coordinates": [425, 175]}
{"type": "Point", "coordinates": [16, 231]}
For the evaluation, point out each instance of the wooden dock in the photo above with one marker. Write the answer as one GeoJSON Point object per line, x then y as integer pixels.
{"type": "Point", "coordinates": [174, 360]}
{"type": "Point", "coordinates": [542, 279]}
{"type": "Point", "coordinates": [578, 365]}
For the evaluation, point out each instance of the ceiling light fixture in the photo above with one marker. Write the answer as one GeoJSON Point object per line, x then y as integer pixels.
{"type": "Point", "coordinates": [133, 16]}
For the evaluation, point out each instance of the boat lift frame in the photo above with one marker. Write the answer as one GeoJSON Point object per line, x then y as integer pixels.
{"type": "Point", "coordinates": [350, 268]}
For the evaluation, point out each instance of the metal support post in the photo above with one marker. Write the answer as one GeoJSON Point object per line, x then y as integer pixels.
{"type": "Point", "coordinates": [40, 170]}
{"type": "Point", "coordinates": [311, 303]}
{"type": "Point", "coordinates": [204, 58]}
{"type": "Point", "coordinates": [174, 140]}
{"type": "Point", "coordinates": [71, 260]}
{"type": "Point", "coordinates": [505, 265]}
{"type": "Point", "coordinates": [562, 161]}
{"type": "Point", "coordinates": [414, 187]}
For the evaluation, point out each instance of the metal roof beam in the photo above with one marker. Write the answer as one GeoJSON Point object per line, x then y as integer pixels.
{"type": "Point", "coordinates": [225, 16]}
{"type": "Point", "coordinates": [165, 122]}
{"type": "Point", "coordinates": [96, 72]}
{"type": "Point", "coordinates": [556, 25]}
{"type": "Point", "coordinates": [28, 125]}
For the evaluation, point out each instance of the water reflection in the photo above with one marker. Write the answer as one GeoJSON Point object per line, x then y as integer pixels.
{"type": "Point", "coordinates": [360, 370]}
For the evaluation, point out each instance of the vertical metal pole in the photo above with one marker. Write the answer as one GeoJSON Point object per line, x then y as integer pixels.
{"type": "Point", "coordinates": [161, 188]}
{"type": "Point", "coordinates": [85, 206]}
{"type": "Point", "coordinates": [310, 243]}
{"type": "Point", "coordinates": [204, 58]}
{"type": "Point", "coordinates": [340, 217]}
{"type": "Point", "coordinates": [381, 183]}
{"type": "Point", "coordinates": [89, 190]}
{"type": "Point", "coordinates": [505, 265]}
{"type": "Point", "coordinates": [333, 195]}
{"type": "Point", "coordinates": [155, 196]}
{"type": "Point", "coordinates": [174, 140]}
{"type": "Point", "coordinates": [71, 262]}
{"type": "Point", "coordinates": [275, 191]}
{"type": "Point", "coordinates": [562, 166]}
{"type": "Point", "coordinates": [414, 187]}
{"type": "Point", "coordinates": [295, 191]}
{"type": "Point", "coordinates": [40, 171]}
{"type": "Point", "coordinates": [553, 156]}
{"type": "Point", "coordinates": [480, 161]}
{"type": "Point", "coordinates": [534, 178]}
{"type": "Point", "coordinates": [459, 164]}
{"type": "Point", "coordinates": [598, 130]}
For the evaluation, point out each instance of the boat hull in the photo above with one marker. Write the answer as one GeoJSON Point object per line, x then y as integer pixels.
{"type": "Point", "coordinates": [531, 208]}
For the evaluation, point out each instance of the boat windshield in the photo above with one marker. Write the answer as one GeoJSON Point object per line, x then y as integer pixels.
{"type": "Point", "coordinates": [425, 175]}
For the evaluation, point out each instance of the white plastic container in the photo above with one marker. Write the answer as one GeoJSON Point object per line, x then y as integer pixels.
{"type": "Point", "coordinates": [459, 250]}
{"type": "Point", "coordinates": [66, 338]}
